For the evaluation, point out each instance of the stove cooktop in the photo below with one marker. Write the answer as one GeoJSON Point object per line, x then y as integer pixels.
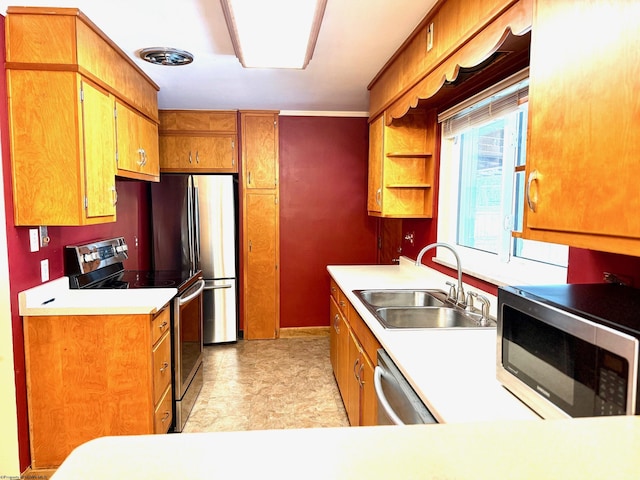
{"type": "Point", "coordinates": [147, 279]}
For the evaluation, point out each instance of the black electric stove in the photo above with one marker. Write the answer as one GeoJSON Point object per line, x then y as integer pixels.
{"type": "Point", "coordinates": [99, 265]}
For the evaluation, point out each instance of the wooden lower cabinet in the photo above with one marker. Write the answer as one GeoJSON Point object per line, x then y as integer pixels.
{"type": "Point", "coordinates": [90, 376]}
{"type": "Point", "coordinates": [353, 358]}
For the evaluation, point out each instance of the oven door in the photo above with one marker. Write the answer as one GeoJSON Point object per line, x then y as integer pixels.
{"type": "Point", "coordinates": [187, 335]}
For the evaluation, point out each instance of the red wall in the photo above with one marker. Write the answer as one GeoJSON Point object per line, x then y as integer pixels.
{"type": "Point", "coordinates": [24, 266]}
{"type": "Point", "coordinates": [323, 211]}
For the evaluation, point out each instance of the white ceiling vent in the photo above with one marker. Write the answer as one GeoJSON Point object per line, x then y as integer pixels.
{"type": "Point", "coordinates": [166, 56]}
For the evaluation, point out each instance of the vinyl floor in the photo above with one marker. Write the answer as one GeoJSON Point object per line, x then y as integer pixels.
{"type": "Point", "coordinates": [268, 384]}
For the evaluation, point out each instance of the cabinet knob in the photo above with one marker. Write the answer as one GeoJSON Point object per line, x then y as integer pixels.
{"type": "Point", "coordinates": [165, 365]}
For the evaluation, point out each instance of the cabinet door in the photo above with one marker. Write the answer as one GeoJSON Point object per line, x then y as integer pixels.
{"type": "Point", "coordinates": [582, 160]}
{"type": "Point", "coordinates": [368, 398]}
{"type": "Point", "coordinates": [352, 402]}
{"type": "Point", "coordinates": [137, 143]}
{"type": "Point", "coordinates": [99, 151]}
{"type": "Point", "coordinates": [261, 289]}
{"type": "Point", "coordinates": [198, 153]}
{"type": "Point", "coordinates": [260, 149]}
{"type": "Point", "coordinates": [374, 198]}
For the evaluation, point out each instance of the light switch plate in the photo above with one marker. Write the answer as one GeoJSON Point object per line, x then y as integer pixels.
{"type": "Point", "coordinates": [44, 270]}
{"type": "Point", "coordinates": [34, 239]}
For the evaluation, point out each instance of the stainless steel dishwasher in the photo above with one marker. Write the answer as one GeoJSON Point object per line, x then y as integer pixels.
{"type": "Point", "coordinates": [398, 403]}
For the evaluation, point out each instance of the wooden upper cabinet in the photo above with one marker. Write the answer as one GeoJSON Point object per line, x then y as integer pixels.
{"type": "Point", "coordinates": [63, 77]}
{"type": "Point", "coordinates": [62, 149]}
{"type": "Point", "coordinates": [584, 136]}
{"type": "Point", "coordinates": [199, 141]}
{"type": "Point", "coordinates": [260, 149]}
{"type": "Point", "coordinates": [455, 34]}
{"type": "Point", "coordinates": [402, 165]}
{"type": "Point", "coordinates": [137, 145]}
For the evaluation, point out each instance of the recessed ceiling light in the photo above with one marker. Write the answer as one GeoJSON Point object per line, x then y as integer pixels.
{"type": "Point", "coordinates": [166, 56]}
{"type": "Point", "coordinates": [274, 33]}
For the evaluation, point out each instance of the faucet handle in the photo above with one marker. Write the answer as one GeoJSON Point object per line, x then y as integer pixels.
{"type": "Point", "coordinates": [452, 292]}
{"type": "Point", "coordinates": [484, 320]}
{"type": "Point", "coordinates": [469, 300]}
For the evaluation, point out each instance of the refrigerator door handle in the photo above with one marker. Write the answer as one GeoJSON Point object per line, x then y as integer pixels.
{"type": "Point", "coordinates": [190, 211]}
{"type": "Point", "coordinates": [218, 287]}
{"type": "Point", "coordinates": [196, 239]}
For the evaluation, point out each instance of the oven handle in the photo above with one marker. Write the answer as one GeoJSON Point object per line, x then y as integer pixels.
{"type": "Point", "coordinates": [377, 383]}
{"type": "Point", "coordinates": [183, 300]}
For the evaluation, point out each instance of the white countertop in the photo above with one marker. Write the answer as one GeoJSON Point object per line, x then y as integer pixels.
{"type": "Point", "coordinates": [56, 298]}
{"type": "Point", "coordinates": [581, 449]}
{"type": "Point", "coordinates": [452, 370]}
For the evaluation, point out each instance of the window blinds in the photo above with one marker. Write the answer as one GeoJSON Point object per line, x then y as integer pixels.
{"type": "Point", "coordinates": [499, 100]}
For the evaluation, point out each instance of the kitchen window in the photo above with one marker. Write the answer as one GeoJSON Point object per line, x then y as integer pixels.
{"type": "Point", "coordinates": [481, 197]}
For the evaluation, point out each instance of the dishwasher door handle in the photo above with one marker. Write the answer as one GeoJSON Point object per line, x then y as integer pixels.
{"type": "Point", "coordinates": [377, 383]}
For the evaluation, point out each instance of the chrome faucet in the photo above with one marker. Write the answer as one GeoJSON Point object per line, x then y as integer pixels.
{"type": "Point", "coordinates": [459, 296]}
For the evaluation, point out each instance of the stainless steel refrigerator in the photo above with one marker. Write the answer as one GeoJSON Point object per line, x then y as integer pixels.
{"type": "Point", "coordinates": [194, 227]}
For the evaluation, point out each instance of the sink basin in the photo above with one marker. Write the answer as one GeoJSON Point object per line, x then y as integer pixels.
{"type": "Point", "coordinates": [403, 298]}
{"type": "Point", "coordinates": [427, 317]}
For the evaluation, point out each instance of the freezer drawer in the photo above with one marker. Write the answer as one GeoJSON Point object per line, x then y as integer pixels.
{"type": "Point", "coordinates": [220, 316]}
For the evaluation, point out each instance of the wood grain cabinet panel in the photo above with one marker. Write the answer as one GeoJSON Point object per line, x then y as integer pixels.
{"type": "Point", "coordinates": [62, 149]}
{"type": "Point", "coordinates": [353, 352]}
{"type": "Point", "coordinates": [261, 224]}
{"type": "Point", "coordinates": [138, 151]}
{"type": "Point", "coordinates": [63, 77]}
{"type": "Point", "coordinates": [402, 165]}
{"type": "Point", "coordinates": [584, 135]}
{"type": "Point", "coordinates": [91, 376]}
{"type": "Point", "coordinates": [260, 150]}
{"type": "Point", "coordinates": [198, 141]}
{"type": "Point", "coordinates": [198, 154]}
{"type": "Point", "coordinates": [261, 292]}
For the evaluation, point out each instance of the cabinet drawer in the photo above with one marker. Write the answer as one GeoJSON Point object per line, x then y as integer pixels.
{"type": "Point", "coordinates": [160, 324]}
{"type": "Point", "coordinates": [163, 415]}
{"type": "Point", "coordinates": [340, 298]}
{"type": "Point", "coordinates": [161, 367]}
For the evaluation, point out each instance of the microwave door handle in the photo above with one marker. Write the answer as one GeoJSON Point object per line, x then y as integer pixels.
{"type": "Point", "coordinates": [377, 383]}
{"type": "Point", "coordinates": [187, 299]}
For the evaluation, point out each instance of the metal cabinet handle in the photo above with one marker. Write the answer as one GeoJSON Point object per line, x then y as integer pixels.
{"type": "Point", "coordinates": [162, 325]}
{"type": "Point", "coordinates": [167, 414]}
{"type": "Point", "coordinates": [114, 192]}
{"type": "Point", "coordinates": [379, 197]}
{"type": "Point", "coordinates": [533, 176]}
{"type": "Point", "coordinates": [360, 379]}
{"type": "Point", "coordinates": [190, 157]}
{"type": "Point", "coordinates": [377, 384]}
{"type": "Point", "coordinates": [336, 323]}
{"type": "Point", "coordinates": [233, 157]}
{"type": "Point", "coordinates": [355, 373]}
{"type": "Point", "coordinates": [165, 365]}
{"type": "Point", "coordinates": [197, 157]}
{"type": "Point", "coordinates": [143, 157]}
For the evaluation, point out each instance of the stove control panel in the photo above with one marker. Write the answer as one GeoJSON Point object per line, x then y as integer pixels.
{"type": "Point", "coordinates": [80, 259]}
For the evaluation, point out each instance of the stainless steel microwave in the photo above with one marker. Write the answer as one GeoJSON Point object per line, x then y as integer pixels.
{"type": "Point", "coordinates": [570, 350]}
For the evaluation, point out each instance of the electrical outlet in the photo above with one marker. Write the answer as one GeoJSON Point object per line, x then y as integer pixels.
{"type": "Point", "coordinates": [44, 270]}
{"type": "Point", "coordinates": [34, 239]}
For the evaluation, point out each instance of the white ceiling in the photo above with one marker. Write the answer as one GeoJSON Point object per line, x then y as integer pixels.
{"type": "Point", "coordinates": [356, 39]}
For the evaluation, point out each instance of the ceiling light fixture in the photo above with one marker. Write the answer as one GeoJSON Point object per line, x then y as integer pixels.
{"type": "Point", "coordinates": [165, 56]}
{"type": "Point", "coordinates": [274, 33]}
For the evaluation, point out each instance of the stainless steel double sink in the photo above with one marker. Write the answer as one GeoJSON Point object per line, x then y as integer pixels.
{"type": "Point", "coordinates": [419, 309]}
